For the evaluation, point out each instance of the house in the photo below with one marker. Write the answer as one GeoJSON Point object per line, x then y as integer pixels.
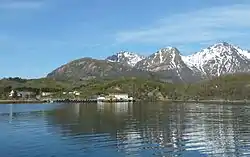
{"type": "Point", "coordinates": [25, 94]}
{"type": "Point", "coordinates": [131, 99]}
{"type": "Point", "coordinates": [119, 96]}
{"type": "Point", "coordinates": [11, 94]}
{"type": "Point", "coordinates": [115, 97]}
{"type": "Point", "coordinates": [46, 93]}
{"type": "Point", "coordinates": [101, 98]}
{"type": "Point", "coordinates": [22, 94]}
{"type": "Point", "coordinates": [76, 93]}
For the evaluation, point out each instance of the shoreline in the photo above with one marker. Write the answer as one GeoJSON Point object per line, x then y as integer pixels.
{"type": "Point", "coordinates": [175, 101]}
{"type": "Point", "coordinates": [213, 101]}
{"type": "Point", "coordinates": [21, 101]}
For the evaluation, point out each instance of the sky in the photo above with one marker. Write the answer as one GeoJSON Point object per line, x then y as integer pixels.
{"type": "Point", "coordinates": [37, 36]}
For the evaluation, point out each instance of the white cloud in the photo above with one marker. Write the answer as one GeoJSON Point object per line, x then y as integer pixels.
{"type": "Point", "coordinates": [21, 4]}
{"type": "Point", "coordinates": [211, 24]}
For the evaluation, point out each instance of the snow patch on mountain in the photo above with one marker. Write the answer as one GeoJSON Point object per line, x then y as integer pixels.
{"type": "Point", "coordinates": [166, 59]}
{"type": "Point", "coordinates": [163, 56]}
{"type": "Point", "coordinates": [162, 53]}
{"type": "Point", "coordinates": [217, 59]}
{"type": "Point", "coordinates": [125, 57]}
{"type": "Point", "coordinates": [244, 52]}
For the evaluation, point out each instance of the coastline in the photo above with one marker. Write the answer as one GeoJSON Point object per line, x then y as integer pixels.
{"type": "Point", "coordinates": [213, 101]}
{"type": "Point", "coordinates": [166, 100]}
{"type": "Point", "coordinates": [21, 101]}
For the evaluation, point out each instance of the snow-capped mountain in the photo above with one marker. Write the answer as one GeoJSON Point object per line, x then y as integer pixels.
{"type": "Point", "coordinates": [126, 58]}
{"type": "Point", "coordinates": [168, 61]}
{"type": "Point", "coordinates": [216, 60]}
{"type": "Point", "coordinates": [219, 59]}
{"type": "Point", "coordinates": [164, 59]}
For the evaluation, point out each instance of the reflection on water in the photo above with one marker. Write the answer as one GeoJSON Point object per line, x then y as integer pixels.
{"type": "Point", "coordinates": [10, 113]}
{"type": "Point", "coordinates": [125, 129]}
{"type": "Point", "coordinates": [117, 108]}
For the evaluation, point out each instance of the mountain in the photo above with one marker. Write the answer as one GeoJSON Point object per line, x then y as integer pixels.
{"type": "Point", "coordinates": [126, 58]}
{"type": "Point", "coordinates": [89, 68]}
{"type": "Point", "coordinates": [164, 59]}
{"type": "Point", "coordinates": [168, 61]}
{"type": "Point", "coordinates": [219, 59]}
{"type": "Point", "coordinates": [166, 64]}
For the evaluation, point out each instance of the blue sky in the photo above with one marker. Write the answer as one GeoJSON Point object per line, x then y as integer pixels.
{"type": "Point", "coordinates": [37, 36]}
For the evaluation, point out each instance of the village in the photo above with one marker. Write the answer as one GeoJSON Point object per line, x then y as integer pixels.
{"type": "Point", "coordinates": [71, 96]}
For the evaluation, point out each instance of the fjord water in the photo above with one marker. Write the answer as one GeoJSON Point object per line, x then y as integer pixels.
{"type": "Point", "coordinates": [156, 129]}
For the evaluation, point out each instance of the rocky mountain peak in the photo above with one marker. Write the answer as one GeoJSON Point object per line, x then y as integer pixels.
{"type": "Point", "coordinates": [222, 48]}
{"type": "Point", "coordinates": [164, 54]}
{"type": "Point", "coordinates": [168, 57]}
{"type": "Point", "coordinates": [167, 61]}
{"type": "Point", "coordinates": [222, 44]}
{"type": "Point", "coordinates": [215, 60]}
{"type": "Point", "coordinates": [218, 59]}
{"type": "Point", "coordinates": [126, 58]}
{"type": "Point", "coordinates": [167, 51]}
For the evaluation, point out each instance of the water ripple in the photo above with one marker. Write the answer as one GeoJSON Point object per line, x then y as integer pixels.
{"type": "Point", "coordinates": [125, 130]}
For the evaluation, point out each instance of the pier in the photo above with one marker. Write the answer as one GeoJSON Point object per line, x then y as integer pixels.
{"type": "Point", "coordinates": [86, 101]}
{"type": "Point", "coordinates": [74, 100]}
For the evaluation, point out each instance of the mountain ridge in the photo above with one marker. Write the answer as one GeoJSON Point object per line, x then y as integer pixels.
{"type": "Point", "coordinates": [213, 61]}
{"type": "Point", "coordinates": [221, 57]}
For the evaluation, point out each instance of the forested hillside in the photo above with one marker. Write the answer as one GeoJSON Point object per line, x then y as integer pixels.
{"type": "Point", "coordinates": [229, 87]}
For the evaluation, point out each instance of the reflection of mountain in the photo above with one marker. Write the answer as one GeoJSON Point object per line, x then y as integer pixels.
{"type": "Point", "coordinates": [159, 129]}
{"type": "Point", "coordinates": [85, 119]}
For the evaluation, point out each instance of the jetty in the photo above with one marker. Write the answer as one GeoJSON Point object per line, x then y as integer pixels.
{"type": "Point", "coordinates": [86, 101]}
{"type": "Point", "coordinates": [74, 100]}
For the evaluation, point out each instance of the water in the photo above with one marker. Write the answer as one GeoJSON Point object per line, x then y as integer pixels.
{"type": "Point", "coordinates": [76, 130]}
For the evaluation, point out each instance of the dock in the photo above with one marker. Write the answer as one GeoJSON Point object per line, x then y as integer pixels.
{"type": "Point", "coordinates": [86, 101]}
{"type": "Point", "coordinates": [74, 100]}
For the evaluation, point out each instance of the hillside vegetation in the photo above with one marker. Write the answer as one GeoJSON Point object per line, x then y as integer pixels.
{"type": "Point", "coordinates": [34, 85]}
{"type": "Point", "coordinates": [229, 87]}
{"type": "Point", "coordinates": [139, 88]}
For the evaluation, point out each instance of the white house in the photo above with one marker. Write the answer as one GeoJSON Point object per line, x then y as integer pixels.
{"type": "Point", "coordinates": [119, 96]}
{"type": "Point", "coordinates": [23, 94]}
{"type": "Point", "coordinates": [11, 93]}
{"type": "Point", "coordinates": [130, 98]}
{"type": "Point", "coordinates": [101, 98]}
{"type": "Point", "coordinates": [76, 93]}
{"type": "Point", "coordinates": [46, 93]}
